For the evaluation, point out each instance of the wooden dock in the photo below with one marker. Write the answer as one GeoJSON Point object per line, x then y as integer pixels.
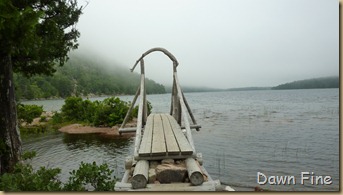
{"type": "Point", "coordinates": [164, 156]}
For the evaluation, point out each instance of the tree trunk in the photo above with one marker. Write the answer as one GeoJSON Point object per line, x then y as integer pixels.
{"type": "Point", "coordinates": [10, 142]}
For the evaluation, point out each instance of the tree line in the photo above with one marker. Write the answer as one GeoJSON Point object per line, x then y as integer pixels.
{"type": "Point", "coordinates": [82, 76]}
{"type": "Point", "coordinates": [324, 82]}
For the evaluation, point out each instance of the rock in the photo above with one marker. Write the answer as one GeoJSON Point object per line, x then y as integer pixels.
{"type": "Point", "coordinates": [152, 175]}
{"type": "Point", "coordinates": [154, 163]}
{"type": "Point", "coordinates": [168, 173]}
{"type": "Point", "coordinates": [168, 161]}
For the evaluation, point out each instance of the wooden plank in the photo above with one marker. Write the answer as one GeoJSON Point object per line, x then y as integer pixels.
{"type": "Point", "coordinates": [165, 157]}
{"type": "Point", "coordinates": [182, 141]}
{"type": "Point", "coordinates": [145, 147]}
{"type": "Point", "coordinates": [158, 140]}
{"type": "Point", "coordinates": [206, 186]}
{"type": "Point", "coordinates": [171, 143]}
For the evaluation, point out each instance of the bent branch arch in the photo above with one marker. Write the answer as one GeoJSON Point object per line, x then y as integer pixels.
{"type": "Point", "coordinates": [166, 52]}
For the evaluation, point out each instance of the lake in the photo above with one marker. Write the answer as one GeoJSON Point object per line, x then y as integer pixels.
{"type": "Point", "coordinates": [274, 132]}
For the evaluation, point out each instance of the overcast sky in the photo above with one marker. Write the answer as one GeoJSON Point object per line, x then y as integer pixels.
{"type": "Point", "coordinates": [218, 43]}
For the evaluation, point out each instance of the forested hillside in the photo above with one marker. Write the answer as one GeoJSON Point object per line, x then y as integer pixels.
{"type": "Point", "coordinates": [83, 75]}
{"type": "Point", "coordinates": [324, 82]}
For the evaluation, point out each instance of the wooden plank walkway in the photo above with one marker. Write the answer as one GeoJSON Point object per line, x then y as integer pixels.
{"type": "Point", "coordinates": [163, 138]}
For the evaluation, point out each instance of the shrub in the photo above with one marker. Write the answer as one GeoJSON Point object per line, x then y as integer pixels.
{"type": "Point", "coordinates": [109, 112]}
{"type": "Point", "coordinates": [24, 178]}
{"type": "Point", "coordinates": [27, 113]}
{"type": "Point", "coordinates": [99, 177]}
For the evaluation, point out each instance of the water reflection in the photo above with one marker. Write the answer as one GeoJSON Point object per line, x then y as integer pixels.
{"type": "Point", "coordinates": [85, 141]}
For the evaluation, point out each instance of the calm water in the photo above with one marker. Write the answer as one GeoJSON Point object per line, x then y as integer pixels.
{"type": "Point", "coordinates": [277, 133]}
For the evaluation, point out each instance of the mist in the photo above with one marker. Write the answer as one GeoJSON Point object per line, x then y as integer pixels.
{"type": "Point", "coordinates": [218, 43]}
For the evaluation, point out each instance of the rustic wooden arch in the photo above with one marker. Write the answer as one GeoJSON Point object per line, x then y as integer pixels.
{"type": "Point", "coordinates": [166, 52]}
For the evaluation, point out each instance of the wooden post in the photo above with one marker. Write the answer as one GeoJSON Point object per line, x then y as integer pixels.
{"type": "Point", "coordinates": [184, 114]}
{"type": "Point", "coordinates": [140, 174]}
{"type": "Point", "coordinates": [145, 106]}
{"type": "Point", "coordinates": [176, 105]}
{"type": "Point", "coordinates": [130, 110]}
{"type": "Point", "coordinates": [190, 112]}
{"type": "Point", "coordinates": [194, 172]}
{"type": "Point", "coordinates": [140, 116]}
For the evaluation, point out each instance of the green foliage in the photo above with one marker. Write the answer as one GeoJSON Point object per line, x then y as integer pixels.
{"type": "Point", "coordinates": [99, 177]}
{"type": "Point", "coordinates": [82, 76]}
{"type": "Point", "coordinates": [28, 155]}
{"type": "Point", "coordinates": [109, 112]}
{"type": "Point", "coordinates": [325, 82]}
{"type": "Point", "coordinates": [37, 33]}
{"type": "Point", "coordinates": [28, 112]}
{"type": "Point", "coordinates": [24, 178]}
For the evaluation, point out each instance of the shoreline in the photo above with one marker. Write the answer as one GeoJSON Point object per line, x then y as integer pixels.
{"type": "Point", "coordinates": [84, 129]}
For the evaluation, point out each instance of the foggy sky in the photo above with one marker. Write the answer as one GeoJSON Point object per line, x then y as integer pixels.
{"type": "Point", "coordinates": [218, 43]}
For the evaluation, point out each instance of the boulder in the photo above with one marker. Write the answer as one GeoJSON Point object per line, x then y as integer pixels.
{"type": "Point", "coordinates": [168, 173]}
{"type": "Point", "coordinates": [152, 175]}
{"type": "Point", "coordinates": [167, 161]}
{"type": "Point", "coordinates": [154, 163]}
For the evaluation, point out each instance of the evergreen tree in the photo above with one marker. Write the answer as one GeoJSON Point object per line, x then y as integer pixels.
{"type": "Point", "coordinates": [34, 36]}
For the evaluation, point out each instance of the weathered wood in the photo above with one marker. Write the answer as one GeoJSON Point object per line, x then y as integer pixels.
{"type": "Point", "coordinates": [140, 116]}
{"type": "Point", "coordinates": [128, 130]}
{"type": "Point", "coordinates": [145, 147]}
{"type": "Point", "coordinates": [194, 172]}
{"type": "Point", "coordinates": [192, 127]}
{"type": "Point", "coordinates": [158, 140]}
{"type": "Point", "coordinates": [185, 147]}
{"type": "Point", "coordinates": [140, 175]}
{"type": "Point", "coordinates": [199, 158]}
{"type": "Point", "coordinates": [182, 156]}
{"type": "Point", "coordinates": [145, 107]}
{"type": "Point", "coordinates": [184, 114]}
{"type": "Point", "coordinates": [171, 142]}
{"type": "Point", "coordinates": [122, 186]}
{"type": "Point", "coordinates": [190, 112]}
{"type": "Point", "coordinates": [128, 162]}
{"type": "Point", "coordinates": [206, 186]}
{"type": "Point", "coordinates": [126, 176]}
{"type": "Point", "coordinates": [166, 52]}
{"type": "Point", "coordinates": [127, 116]}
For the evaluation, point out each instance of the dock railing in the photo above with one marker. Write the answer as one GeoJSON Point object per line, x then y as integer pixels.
{"type": "Point", "coordinates": [179, 108]}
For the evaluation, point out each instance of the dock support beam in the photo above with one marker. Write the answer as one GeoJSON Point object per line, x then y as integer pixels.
{"type": "Point", "coordinates": [194, 172]}
{"type": "Point", "coordinates": [140, 174]}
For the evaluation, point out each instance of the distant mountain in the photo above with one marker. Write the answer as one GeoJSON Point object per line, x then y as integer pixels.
{"type": "Point", "coordinates": [193, 89]}
{"type": "Point", "coordinates": [83, 75]}
{"type": "Point", "coordinates": [323, 82]}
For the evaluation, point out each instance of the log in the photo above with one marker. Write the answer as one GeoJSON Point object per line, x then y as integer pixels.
{"type": "Point", "coordinates": [128, 162]}
{"type": "Point", "coordinates": [199, 158]}
{"type": "Point", "coordinates": [191, 126]}
{"type": "Point", "coordinates": [190, 113]}
{"type": "Point", "coordinates": [140, 175]}
{"type": "Point", "coordinates": [130, 110]}
{"type": "Point", "coordinates": [194, 173]}
{"type": "Point", "coordinates": [140, 116]}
